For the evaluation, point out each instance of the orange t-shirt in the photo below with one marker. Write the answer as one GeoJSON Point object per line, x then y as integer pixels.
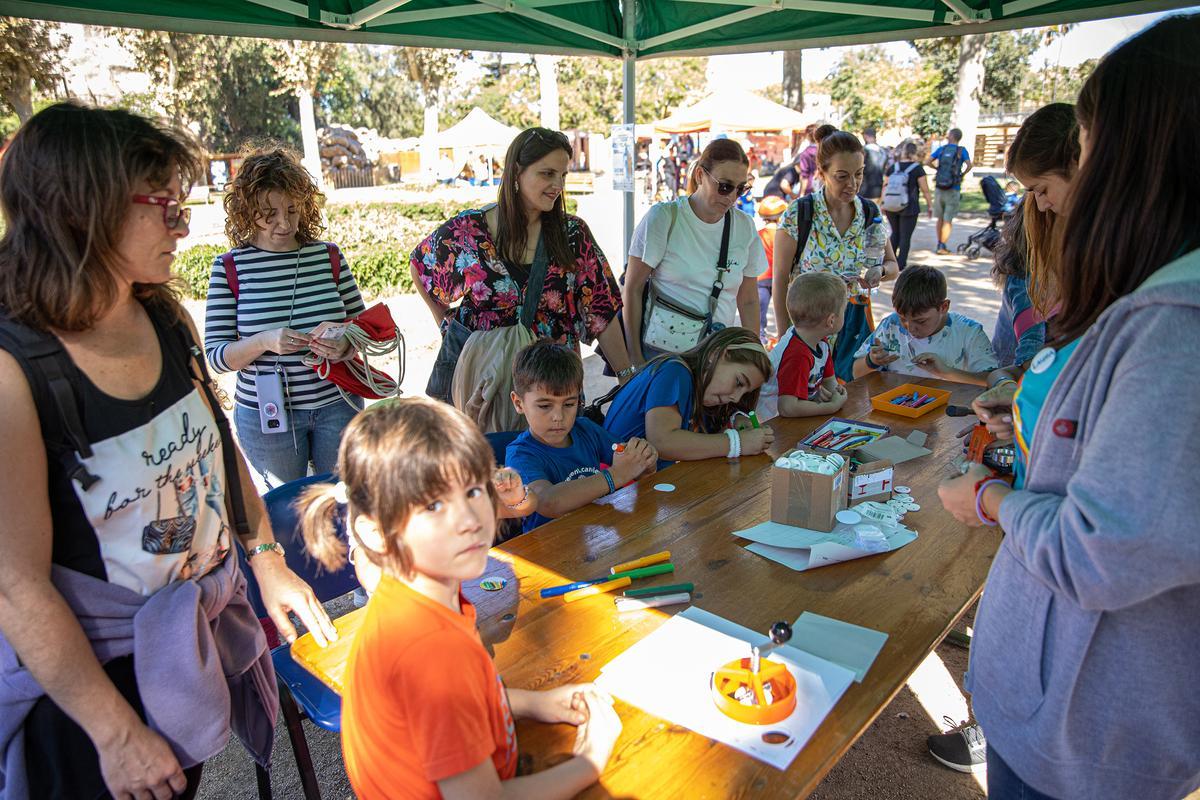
{"type": "Point", "coordinates": [423, 701]}
{"type": "Point", "coordinates": [767, 235]}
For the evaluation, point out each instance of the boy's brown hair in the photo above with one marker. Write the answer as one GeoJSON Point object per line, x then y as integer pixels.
{"type": "Point", "coordinates": [396, 456]}
{"type": "Point", "coordinates": [919, 289]}
{"type": "Point", "coordinates": [813, 296]}
{"type": "Point", "coordinates": [264, 171]}
{"type": "Point", "coordinates": [545, 364]}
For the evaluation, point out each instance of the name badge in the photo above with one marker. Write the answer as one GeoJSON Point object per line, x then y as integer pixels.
{"type": "Point", "coordinates": [1043, 360]}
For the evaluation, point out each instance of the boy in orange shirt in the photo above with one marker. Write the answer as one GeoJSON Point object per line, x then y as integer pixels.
{"type": "Point", "coordinates": [424, 712]}
{"type": "Point", "coordinates": [770, 208]}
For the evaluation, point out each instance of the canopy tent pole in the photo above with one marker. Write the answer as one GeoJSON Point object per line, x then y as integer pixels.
{"type": "Point", "coordinates": [628, 96]}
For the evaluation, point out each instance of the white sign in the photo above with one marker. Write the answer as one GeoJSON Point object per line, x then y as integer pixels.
{"type": "Point", "coordinates": [624, 143]}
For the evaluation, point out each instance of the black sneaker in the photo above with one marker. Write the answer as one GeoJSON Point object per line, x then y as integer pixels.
{"type": "Point", "coordinates": [963, 748]}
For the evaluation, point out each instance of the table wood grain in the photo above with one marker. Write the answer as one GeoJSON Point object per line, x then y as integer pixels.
{"type": "Point", "coordinates": [914, 594]}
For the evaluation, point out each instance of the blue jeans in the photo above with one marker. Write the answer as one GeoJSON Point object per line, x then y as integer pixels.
{"type": "Point", "coordinates": [764, 303]}
{"type": "Point", "coordinates": [275, 458]}
{"type": "Point", "coordinates": [1004, 784]}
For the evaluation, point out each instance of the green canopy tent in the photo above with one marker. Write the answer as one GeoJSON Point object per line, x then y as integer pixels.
{"type": "Point", "coordinates": [626, 29]}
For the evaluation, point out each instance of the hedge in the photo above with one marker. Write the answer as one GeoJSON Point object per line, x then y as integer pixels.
{"type": "Point", "coordinates": [375, 237]}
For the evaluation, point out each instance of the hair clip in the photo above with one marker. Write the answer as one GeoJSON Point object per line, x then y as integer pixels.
{"type": "Point", "coordinates": [757, 347]}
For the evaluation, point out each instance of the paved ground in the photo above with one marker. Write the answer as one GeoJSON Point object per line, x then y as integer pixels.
{"type": "Point", "coordinates": [889, 761]}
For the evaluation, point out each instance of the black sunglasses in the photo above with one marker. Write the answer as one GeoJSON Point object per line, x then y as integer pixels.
{"type": "Point", "coordinates": [725, 187]}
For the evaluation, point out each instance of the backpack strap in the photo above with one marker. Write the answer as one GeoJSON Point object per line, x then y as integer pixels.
{"type": "Point", "coordinates": [45, 364]}
{"type": "Point", "coordinates": [334, 261]}
{"type": "Point", "coordinates": [198, 367]}
{"type": "Point", "coordinates": [230, 273]}
{"type": "Point", "coordinates": [804, 223]}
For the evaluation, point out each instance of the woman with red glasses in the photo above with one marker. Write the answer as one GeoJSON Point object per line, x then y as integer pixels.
{"type": "Point", "coordinates": [694, 262]}
{"type": "Point", "coordinates": [827, 231]}
{"type": "Point", "coordinates": [128, 648]}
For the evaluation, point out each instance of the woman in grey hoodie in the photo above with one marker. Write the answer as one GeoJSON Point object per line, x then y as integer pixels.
{"type": "Point", "coordinates": [1084, 660]}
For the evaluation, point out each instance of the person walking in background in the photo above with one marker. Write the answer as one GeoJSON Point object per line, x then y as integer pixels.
{"type": "Point", "coordinates": [770, 209]}
{"type": "Point", "coordinates": [900, 201]}
{"type": "Point", "coordinates": [952, 162]}
{"type": "Point", "coordinates": [795, 179]}
{"type": "Point", "coordinates": [876, 158]}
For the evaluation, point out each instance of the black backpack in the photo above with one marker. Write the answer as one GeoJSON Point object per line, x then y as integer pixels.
{"type": "Point", "coordinates": [46, 365]}
{"type": "Point", "coordinates": [804, 221]}
{"type": "Point", "coordinates": [948, 171]}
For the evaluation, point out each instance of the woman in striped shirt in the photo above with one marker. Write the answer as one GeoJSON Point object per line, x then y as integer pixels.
{"type": "Point", "coordinates": [265, 297]}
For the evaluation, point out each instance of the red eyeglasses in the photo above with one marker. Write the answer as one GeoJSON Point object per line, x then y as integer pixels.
{"type": "Point", "coordinates": [725, 187]}
{"type": "Point", "coordinates": [173, 211]}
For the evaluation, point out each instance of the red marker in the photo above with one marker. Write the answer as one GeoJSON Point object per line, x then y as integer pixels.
{"type": "Point", "coordinates": [618, 448]}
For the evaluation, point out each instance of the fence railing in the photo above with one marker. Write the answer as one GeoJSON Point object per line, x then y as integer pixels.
{"type": "Point", "coordinates": [351, 177]}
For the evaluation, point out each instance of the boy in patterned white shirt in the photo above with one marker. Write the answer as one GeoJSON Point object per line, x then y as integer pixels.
{"type": "Point", "coordinates": [924, 338]}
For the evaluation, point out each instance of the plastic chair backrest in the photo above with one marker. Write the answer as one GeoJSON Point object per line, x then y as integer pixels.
{"type": "Point", "coordinates": [500, 442]}
{"type": "Point", "coordinates": [285, 522]}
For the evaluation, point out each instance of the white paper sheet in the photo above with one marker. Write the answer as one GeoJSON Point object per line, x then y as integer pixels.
{"type": "Point", "coordinates": [801, 548]}
{"type": "Point", "coordinates": [668, 674]}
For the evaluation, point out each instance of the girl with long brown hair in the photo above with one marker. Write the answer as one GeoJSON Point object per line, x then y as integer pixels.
{"type": "Point", "coordinates": [1083, 661]}
{"type": "Point", "coordinates": [490, 258]}
{"type": "Point", "coordinates": [125, 488]}
{"type": "Point", "coordinates": [694, 262]}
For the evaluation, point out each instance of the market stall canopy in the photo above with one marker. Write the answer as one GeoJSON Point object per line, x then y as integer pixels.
{"type": "Point", "coordinates": [733, 110]}
{"type": "Point", "coordinates": [581, 27]}
{"type": "Point", "coordinates": [477, 129]}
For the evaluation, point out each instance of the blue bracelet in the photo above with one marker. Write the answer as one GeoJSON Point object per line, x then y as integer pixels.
{"type": "Point", "coordinates": [612, 487]}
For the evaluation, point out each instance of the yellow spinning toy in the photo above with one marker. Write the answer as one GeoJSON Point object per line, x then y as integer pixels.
{"type": "Point", "coordinates": [754, 692]}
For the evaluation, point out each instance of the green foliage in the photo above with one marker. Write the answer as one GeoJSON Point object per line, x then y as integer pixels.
{"type": "Point", "coordinates": [873, 90]}
{"type": "Point", "coordinates": [589, 89]}
{"type": "Point", "coordinates": [31, 54]}
{"type": "Point", "coordinates": [931, 114]}
{"type": "Point", "coordinates": [509, 92]}
{"type": "Point", "coordinates": [193, 266]}
{"type": "Point", "coordinates": [369, 87]}
{"type": "Point", "coordinates": [1057, 84]}
{"type": "Point", "coordinates": [1006, 67]}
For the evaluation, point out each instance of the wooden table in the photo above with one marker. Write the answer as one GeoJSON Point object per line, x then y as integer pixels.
{"type": "Point", "coordinates": [915, 595]}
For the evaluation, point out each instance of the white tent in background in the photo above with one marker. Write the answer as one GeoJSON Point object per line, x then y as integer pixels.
{"type": "Point", "coordinates": [477, 130]}
{"type": "Point", "coordinates": [732, 111]}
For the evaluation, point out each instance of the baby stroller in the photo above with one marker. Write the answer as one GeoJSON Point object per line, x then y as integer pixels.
{"type": "Point", "coordinates": [989, 237]}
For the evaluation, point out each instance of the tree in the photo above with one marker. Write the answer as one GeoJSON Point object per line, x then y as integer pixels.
{"type": "Point", "coordinates": [509, 92]}
{"type": "Point", "coordinates": [1053, 84]}
{"type": "Point", "coordinates": [793, 79]}
{"type": "Point", "coordinates": [300, 66]}
{"type": "Point", "coordinates": [432, 71]}
{"type": "Point", "coordinates": [369, 87]}
{"type": "Point", "coordinates": [872, 90]}
{"type": "Point", "coordinates": [1006, 67]}
{"type": "Point", "coordinates": [31, 54]}
{"type": "Point", "coordinates": [590, 89]}
{"type": "Point", "coordinates": [178, 64]}
{"type": "Point", "coordinates": [939, 57]}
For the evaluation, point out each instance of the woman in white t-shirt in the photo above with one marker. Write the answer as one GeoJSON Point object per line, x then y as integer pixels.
{"type": "Point", "coordinates": [677, 246]}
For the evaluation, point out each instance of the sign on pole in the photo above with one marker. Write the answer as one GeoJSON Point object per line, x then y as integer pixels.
{"type": "Point", "coordinates": [624, 143]}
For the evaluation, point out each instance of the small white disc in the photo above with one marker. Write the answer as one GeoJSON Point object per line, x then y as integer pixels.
{"type": "Point", "coordinates": [664, 487]}
{"type": "Point", "coordinates": [903, 490]}
{"type": "Point", "coordinates": [848, 517]}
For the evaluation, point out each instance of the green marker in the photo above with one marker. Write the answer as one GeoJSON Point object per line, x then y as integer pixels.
{"type": "Point", "coordinates": [652, 591]}
{"type": "Point", "coordinates": [754, 420]}
{"type": "Point", "coordinates": [644, 572]}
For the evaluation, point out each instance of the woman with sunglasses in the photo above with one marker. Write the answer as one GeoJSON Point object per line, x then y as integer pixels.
{"type": "Point", "coordinates": [827, 231]}
{"type": "Point", "coordinates": [117, 512]}
{"type": "Point", "coordinates": [486, 258]}
{"type": "Point", "coordinates": [677, 249]}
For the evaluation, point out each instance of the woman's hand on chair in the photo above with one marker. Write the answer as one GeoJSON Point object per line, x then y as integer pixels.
{"type": "Point", "coordinates": [283, 591]}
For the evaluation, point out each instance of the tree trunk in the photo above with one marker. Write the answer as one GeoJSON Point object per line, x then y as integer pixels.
{"type": "Point", "coordinates": [19, 96]}
{"type": "Point", "coordinates": [308, 134]}
{"type": "Point", "coordinates": [793, 79]}
{"type": "Point", "coordinates": [547, 67]}
{"type": "Point", "coordinates": [172, 53]}
{"type": "Point", "coordinates": [429, 149]}
{"type": "Point", "coordinates": [972, 50]}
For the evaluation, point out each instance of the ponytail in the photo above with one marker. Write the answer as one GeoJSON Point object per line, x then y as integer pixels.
{"type": "Point", "coordinates": [318, 525]}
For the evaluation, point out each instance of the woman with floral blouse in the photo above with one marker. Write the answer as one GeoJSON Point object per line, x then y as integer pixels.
{"type": "Point", "coordinates": [484, 258]}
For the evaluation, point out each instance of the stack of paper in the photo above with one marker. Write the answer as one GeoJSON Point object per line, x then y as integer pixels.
{"type": "Point", "coordinates": [801, 548]}
{"type": "Point", "coordinates": [669, 673]}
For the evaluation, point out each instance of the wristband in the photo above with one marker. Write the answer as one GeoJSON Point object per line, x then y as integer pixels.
{"type": "Point", "coordinates": [519, 503]}
{"type": "Point", "coordinates": [1001, 382]}
{"type": "Point", "coordinates": [612, 486]}
{"type": "Point", "coordinates": [625, 373]}
{"type": "Point", "coordinates": [980, 488]}
{"type": "Point", "coordinates": [735, 443]}
{"type": "Point", "coordinates": [871, 365]}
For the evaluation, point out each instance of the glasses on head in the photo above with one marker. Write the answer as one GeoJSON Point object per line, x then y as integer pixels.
{"type": "Point", "coordinates": [553, 138]}
{"type": "Point", "coordinates": [725, 187]}
{"type": "Point", "coordinates": [174, 213]}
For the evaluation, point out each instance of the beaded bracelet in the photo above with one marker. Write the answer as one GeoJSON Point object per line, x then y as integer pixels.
{"type": "Point", "coordinates": [521, 502]}
{"type": "Point", "coordinates": [735, 443]}
{"type": "Point", "coordinates": [980, 488]}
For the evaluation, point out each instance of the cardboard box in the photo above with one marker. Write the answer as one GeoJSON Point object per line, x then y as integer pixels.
{"type": "Point", "coordinates": [873, 480]}
{"type": "Point", "coordinates": [808, 499]}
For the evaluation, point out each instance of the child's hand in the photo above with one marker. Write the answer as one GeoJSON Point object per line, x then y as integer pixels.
{"type": "Point", "coordinates": [629, 464]}
{"type": "Point", "coordinates": [757, 441]}
{"type": "Point", "coordinates": [881, 356]}
{"type": "Point", "coordinates": [597, 735]}
{"type": "Point", "coordinates": [510, 487]}
{"type": "Point", "coordinates": [561, 704]}
{"type": "Point", "coordinates": [838, 397]}
{"type": "Point", "coordinates": [932, 363]}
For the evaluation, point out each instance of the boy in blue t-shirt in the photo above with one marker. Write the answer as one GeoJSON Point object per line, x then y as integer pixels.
{"type": "Point", "coordinates": [565, 460]}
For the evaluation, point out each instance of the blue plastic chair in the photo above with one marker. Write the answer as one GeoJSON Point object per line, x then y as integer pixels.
{"type": "Point", "coordinates": [298, 686]}
{"type": "Point", "coordinates": [500, 442]}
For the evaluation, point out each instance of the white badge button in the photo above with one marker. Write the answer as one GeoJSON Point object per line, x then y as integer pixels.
{"type": "Point", "coordinates": [1043, 360]}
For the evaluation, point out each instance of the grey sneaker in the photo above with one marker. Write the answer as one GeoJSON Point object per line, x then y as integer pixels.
{"type": "Point", "coordinates": [963, 748]}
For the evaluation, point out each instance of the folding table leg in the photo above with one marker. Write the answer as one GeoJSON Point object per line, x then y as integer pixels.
{"type": "Point", "coordinates": [264, 782]}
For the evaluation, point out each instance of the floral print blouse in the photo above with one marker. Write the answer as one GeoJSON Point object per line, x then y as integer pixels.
{"type": "Point", "coordinates": [827, 250]}
{"type": "Point", "coordinates": [459, 260]}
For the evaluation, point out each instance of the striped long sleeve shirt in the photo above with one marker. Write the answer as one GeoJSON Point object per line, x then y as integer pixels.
{"type": "Point", "coordinates": [266, 301]}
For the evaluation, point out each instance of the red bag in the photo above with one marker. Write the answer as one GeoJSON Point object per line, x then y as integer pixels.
{"type": "Point", "coordinates": [372, 333]}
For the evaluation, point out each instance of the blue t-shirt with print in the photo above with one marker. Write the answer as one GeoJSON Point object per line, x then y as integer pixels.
{"type": "Point", "coordinates": [1031, 395]}
{"type": "Point", "coordinates": [668, 383]}
{"type": "Point", "coordinates": [947, 151]}
{"type": "Point", "coordinates": [589, 452]}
